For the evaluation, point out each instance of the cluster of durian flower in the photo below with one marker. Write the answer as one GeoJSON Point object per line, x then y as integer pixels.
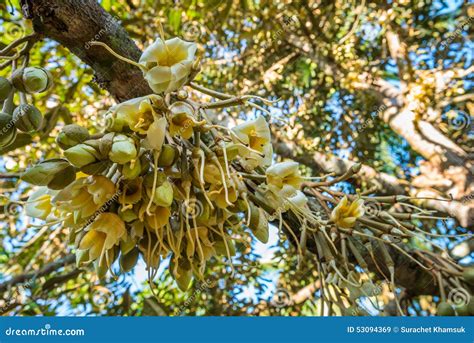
{"type": "Point", "coordinates": [164, 181]}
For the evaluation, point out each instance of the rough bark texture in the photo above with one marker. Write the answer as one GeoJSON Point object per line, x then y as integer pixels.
{"type": "Point", "coordinates": [74, 24]}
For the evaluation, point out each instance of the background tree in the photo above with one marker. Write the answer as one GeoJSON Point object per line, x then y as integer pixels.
{"type": "Point", "coordinates": [385, 84]}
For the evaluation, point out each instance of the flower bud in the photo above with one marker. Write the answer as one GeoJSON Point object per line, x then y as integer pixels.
{"type": "Point", "coordinates": [123, 149]}
{"type": "Point", "coordinates": [149, 179]}
{"type": "Point", "coordinates": [163, 194]}
{"type": "Point", "coordinates": [81, 155]}
{"type": "Point", "coordinates": [168, 156]}
{"type": "Point", "coordinates": [55, 173]}
{"type": "Point", "coordinates": [31, 80]}
{"type": "Point", "coordinates": [7, 130]}
{"type": "Point", "coordinates": [71, 135]}
{"type": "Point", "coordinates": [129, 260]}
{"type": "Point", "coordinates": [96, 167]}
{"type": "Point", "coordinates": [258, 223]}
{"type": "Point", "coordinates": [131, 170]}
{"type": "Point", "coordinates": [5, 88]}
{"type": "Point", "coordinates": [27, 118]}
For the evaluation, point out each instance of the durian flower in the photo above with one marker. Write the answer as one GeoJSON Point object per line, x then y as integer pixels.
{"type": "Point", "coordinates": [131, 194]}
{"type": "Point", "coordinates": [85, 196]}
{"type": "Point", "coordinates": [103, 234]}
{"type": "Point", "coordinates": [159, 217]}
{"type": "Point", "coordinates": [138, 113]}
{"type": "Point", "coordinates": [293, 196]}
{"type": "Point", "coordinates": [81, 155]}
{"type": "Point", "coordinates": [204, 249]}
{"type": "Point", "coordinates": [182, 120]}
{"type": "Point", "coordinates": [168, 64]}
{"type": "Point", "coordinates": [284, 174]}
{"type": "Point", "coordinates": [256, 135]}
{"type": "Point", "coordinates": [217, 195]}
{"type": "Point", "coordinates": [39, 203]}
{"type": "Point", "coordinates": [123, 149]}
{"type": "Point", "coordinates": [346, 213]}
{"type": "Point", "coordinates": [163, 195]}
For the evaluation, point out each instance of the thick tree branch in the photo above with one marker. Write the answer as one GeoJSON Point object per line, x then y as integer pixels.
{"type": "Point", "coordinates": [74, 24]}
{"type": "Point", "coordinates": [46, 270]}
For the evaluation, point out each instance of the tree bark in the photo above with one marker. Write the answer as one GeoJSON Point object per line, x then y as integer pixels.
{"type": "Point", "coordinates": [74, 24]}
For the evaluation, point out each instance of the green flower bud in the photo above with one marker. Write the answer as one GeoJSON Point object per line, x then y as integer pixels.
{"type": "Point", "coordinates": [123, 149]}
{"type": "Point", "coordinates": [163, 194]}
{"type": "Point", "coordinates": [7, 130]}
{"type": "Point", "coordinates": [104, 144]}
{"type": "Point", "coordinates": [131, 170]}
{"type": "Point", "coordinates": [81, 155]}
{"type": "Point", "coordinates": [168, 156]}
{"type": "Point", "coordinates": [128, 216]}
{"type": "Point", "coordinates": [129, 260]}
{"type": "Point", "coordinates": [5, 88]}
{"type": "Point", "coordinates": [82, 257]}
{"type": "Point", "coordinates": [221, 247]}
{"type": "Point", "coordinates": [114, 124]}
{"type": "Point", "coordinates": [55, 173]}
{"type": "Point", "coordinates": [71, 135]}
{"type": "Point", "coordinates": [96, 167]}
{"type": "Point", "coordinates": [27, 118]}
{"type": "Point", "coordinates": [31, 80]}
{"type": "Point", "coordinates": [149, 178]}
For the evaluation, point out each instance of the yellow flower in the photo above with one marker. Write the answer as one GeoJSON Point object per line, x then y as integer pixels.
{"type": "Point", "coordinates": [131, 194]}
{"type": "Point", "coordinates": [282, 174]}
{"type": "Point", "coordinates": [103, 234]}
{"type": "Point", "coordinates": [204, 249]}
{"type": "Point", "coordinates": [159, 218]}
{"type": "Point", "coordinates": [182, 120]}
{"type": "Point", "coordinates": [39, 203]}
{"type": "Point", "coordinates": [254, 134]}
{"type": "Point", "coordinates": [138, 113]}
{"type": "Point", "coordinates": [168, 64]}
{"type": "Point", "coordinates": [345, 213]}
{"type": "Point", "coordinates": [217, 194]}
{"type": "Point", "coordinates": [85, 196]}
